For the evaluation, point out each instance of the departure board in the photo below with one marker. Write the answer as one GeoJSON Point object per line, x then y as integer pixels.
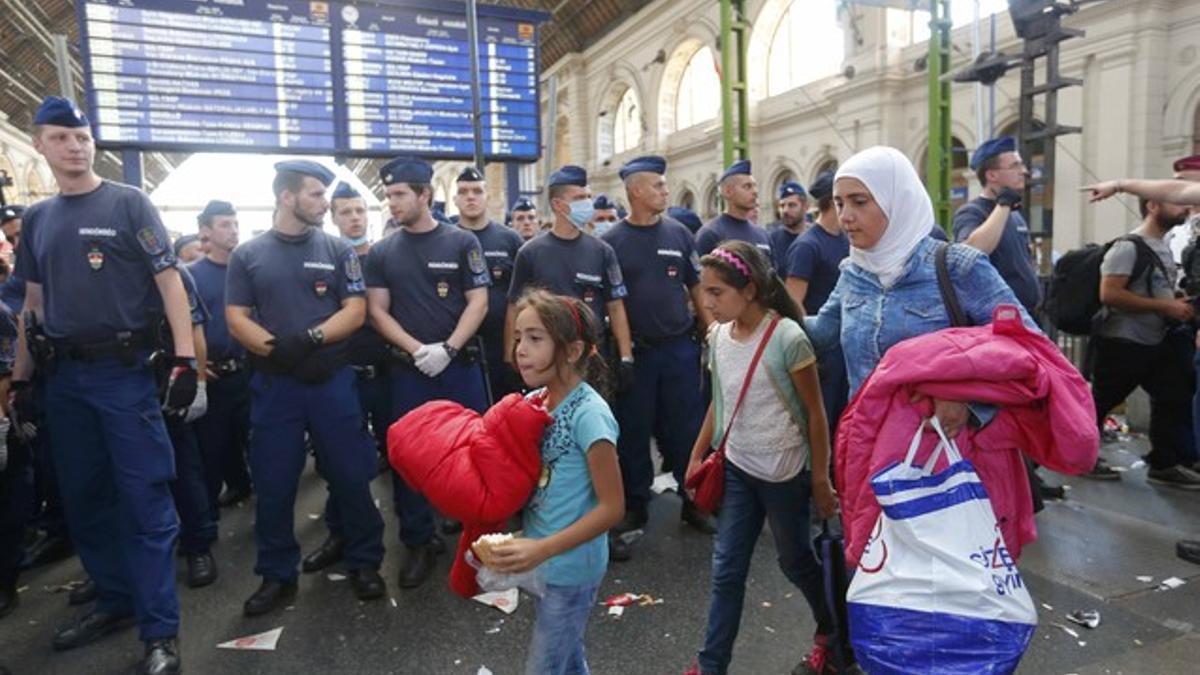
{"type": "Point", "coordinates": [408, 82]}
{"type": "Point", "coordinates": [220, 75]}
{"type": "Point", "coordinates": [361, 79]}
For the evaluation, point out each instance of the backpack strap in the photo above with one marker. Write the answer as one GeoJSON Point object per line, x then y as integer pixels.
{"type": "Point", "coordinates": [1146, 257]}
{"type": "Point", "coordinates": [949, 297]}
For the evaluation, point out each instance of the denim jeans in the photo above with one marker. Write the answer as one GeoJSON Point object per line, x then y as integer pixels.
{"type": "Point", "coordinates": [749, 501]}
{"type": "Point", "coordinates": [561, 619]}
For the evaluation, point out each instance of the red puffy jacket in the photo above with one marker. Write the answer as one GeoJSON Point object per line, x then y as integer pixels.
{"type": "Point", "coordinates": [476, 469]}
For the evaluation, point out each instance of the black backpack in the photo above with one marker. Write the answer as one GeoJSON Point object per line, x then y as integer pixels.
{"type": "Point", "coordinates": [1074, 295]}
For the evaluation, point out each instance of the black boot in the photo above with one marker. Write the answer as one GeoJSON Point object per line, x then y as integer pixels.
{"type": "Point", "coordinates": [83, 593]}
{"type": "Point", "coordinates": [701, 521]}
{"type": "Point", "coordinates": [367, 583]}
{"type": "Point", "coordinates": [8, 600]}
{"type": "Point", "coordinates": [162, 657]}
{"type": "Point", "coordinates": [418, 564]}
{"type": "Point", "coordinates": [50, 549]}
{"type": "Point", "coordinates": [202, 570]}
{"type": "Point", "coordinates": [89, 628]}
{"type": "Point", "coordinates": [270, 596]}
{"type": "Point", "coordinates": [328, 553]}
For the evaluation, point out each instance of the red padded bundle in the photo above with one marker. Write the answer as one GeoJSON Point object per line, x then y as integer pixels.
{"type": "Point", "coordinates": [478, 469]}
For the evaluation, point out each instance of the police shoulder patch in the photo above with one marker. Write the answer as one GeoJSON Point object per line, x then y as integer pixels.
{"type": "Point", "coordinates": [151, 242]}
{"type": "Point", "coordinates": [475, 261]}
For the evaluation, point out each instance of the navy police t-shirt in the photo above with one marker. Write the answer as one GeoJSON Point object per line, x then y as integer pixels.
{"type": "Point", "coordinates": [294, 283]}
{"type": "Point", "coordinates": [500, 245]}
{"type": "Point", "coordinates": [781, 240]}
{"type": "Point", "coordinates": [210, 282]}
{"type": "Point", "coordinates": [367, 346]}
{"type": "Point", "coordinates": [1013, 258]}
{"type": "Point", "coordinates": [659, 264]}
{"type": "Point", "coordinates": [96, 256]}
{"type": "Point", "coordinates": [724, 228]}
{"type": "Point", "coordinates": [584, 267]}
{"type": "Point", "coordinates": [427, 275]}
{"type": "Point", "coordinates": [816, 257]}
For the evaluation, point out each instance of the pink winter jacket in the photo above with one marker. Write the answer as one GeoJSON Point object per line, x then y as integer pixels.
{"type": "Point", "coordinates": [1045, 410]}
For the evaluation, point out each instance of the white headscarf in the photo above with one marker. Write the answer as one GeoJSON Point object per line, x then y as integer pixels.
{"type": "Point", "coordinates": [894, 184]}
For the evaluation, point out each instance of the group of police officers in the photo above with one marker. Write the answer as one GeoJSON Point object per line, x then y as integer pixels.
{"type": "Point", "coordinates": [150, 385]}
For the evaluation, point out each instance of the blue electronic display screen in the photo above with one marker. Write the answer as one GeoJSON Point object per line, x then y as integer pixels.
{"type": "Point", "coordinates": [408, 82]}
{"type": "Point", "coordinates": [350, 78]}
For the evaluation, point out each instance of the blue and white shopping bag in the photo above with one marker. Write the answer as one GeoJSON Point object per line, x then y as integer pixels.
{"type": "Point", "coordinates": [936, 590]}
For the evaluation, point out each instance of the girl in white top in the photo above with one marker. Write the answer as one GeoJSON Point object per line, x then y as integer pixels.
{"type": "Point", "coordinates": [776, 436]}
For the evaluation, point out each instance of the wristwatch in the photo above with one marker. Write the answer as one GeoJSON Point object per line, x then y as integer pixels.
{"type": "Point", "coordinates": [451, 351]}
{"type": "Point", "coordinates": [317, 336]}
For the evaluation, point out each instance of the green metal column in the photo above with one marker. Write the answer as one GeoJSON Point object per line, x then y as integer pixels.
{"type": "Point", "coordinates": [735, 91]}
{"type": "Point", "coordinates": [938, 165]}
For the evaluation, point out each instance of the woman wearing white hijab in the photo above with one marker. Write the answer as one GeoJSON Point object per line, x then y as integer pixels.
{"type": "Point", "coordinates": [888, 290]}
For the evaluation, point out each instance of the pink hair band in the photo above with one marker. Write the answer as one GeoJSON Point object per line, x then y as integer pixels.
{"type": "Point", "coordinates": [732, 259]}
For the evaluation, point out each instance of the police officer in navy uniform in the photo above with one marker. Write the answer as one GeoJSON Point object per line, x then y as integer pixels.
{"type": "Point", "coordinates": [740, 192]}
{"type": "Point", "coordinates": [569, 261]}
{"type": "Point", "coordinates": [97, 262]}
{"type": "Point", "coordinates": [16, 473]}
{"type": "Point", "coordinates": [224, 431]}
{"type": "Point", "coordinates": [661, 270]}
{"type": "Point", "coordinates": [793, 207]}
{"type": "Point", "coordinates": [368, 359]}
{"type": "Point", "coordinates": [525, 219]}
{"type": "Point", "coordinates": [427, 293]}
{"type": "Point", "coordinates": [197, 518]}
{"type": "Point", "coordinates": [293, 299]}
{"type": "Point", "coordinates": [54, 544]}
{"type": "Point", "coordinates": [604, 215]}
{"type": "Point", "coordinates": [500, 246]}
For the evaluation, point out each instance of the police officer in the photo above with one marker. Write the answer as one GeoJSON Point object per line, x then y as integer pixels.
{"type": "Point", "coordinates": [96, 261]}
{"type": "Point", "coordinates": [992, 222]}
{"type": "Point", "coordinates": [660, 268]}
{"type": "Point", "coordinates": [223, 433]}
{"type": "Point", "coordinates": [605, 215]}
{"type": "Point", "coordinates": [16, 473]}
{"type": "Point", "coordinates": [686, 217]}
{"type": "Point", "coordinates": [793, 206]}
{"type": "Point", "coordinates": [569, 261]}
{"type": "Point", "coordinates": [500, 246]}
{"type": "Point", "coordinates": [197, 518]}
{"type": "Point", "coordinates": [740, 192]}
{"type": "Point", "coordinates": [54, 544]}
{"type": "Point", "coordinates": [188, 249]}
{"type": "Point", "coordinates": [525, 219]}
{"type": "Point", "coordinates": [294, 296]}
{"type": "Point", "coordinates": [368, 359]}
{"type": "Point", "coordinates": [426, 288]}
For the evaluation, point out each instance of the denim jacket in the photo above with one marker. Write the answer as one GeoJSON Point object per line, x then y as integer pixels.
{"type": "Point", "coordinates": [868, 319]}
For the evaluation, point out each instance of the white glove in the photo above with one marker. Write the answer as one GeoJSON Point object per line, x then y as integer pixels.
{"type": "Point", "coordinates": [432, 359]}
{"type": "Point", "coordinates": [199, 404]}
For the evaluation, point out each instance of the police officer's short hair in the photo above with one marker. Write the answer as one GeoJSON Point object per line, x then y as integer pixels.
{"type": "Point", "coordinates": [418, 188]}
{"type": "Point", "coordinates": [556, 191]}
{"type": "Point", "coordinates": [985, 166]}
{"type": "Point", "coordinates": [1144, 206]}
{"type": "Point", "coordinates": [825, 203]}
{"type": "Point", "coordinates": [291, 181]}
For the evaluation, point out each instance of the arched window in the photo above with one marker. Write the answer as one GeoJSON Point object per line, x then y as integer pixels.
{"type": "Point", "coordinates": [712, 203]}
{"type": "Point", "coordinates": [828, 165]}
{"type": "Point", "coordinates": [959, 174]}
{"type": "Point", "coordinates": [687, 200]}
{"type": "Point", "coordinates": [627, 123]}
{"type": "Point", "coordinates": [699, 97]}
{"type": "Point", "coordinates": [562, 141]}
{"type": "Point", "coordinates": [8, 174]}
{"type": "Point", "coordinates": [35, 187]}
{"type": "Point", "coordinates": [807, 45]}
{"type": "Point", "coordinates": [1196, 132]}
